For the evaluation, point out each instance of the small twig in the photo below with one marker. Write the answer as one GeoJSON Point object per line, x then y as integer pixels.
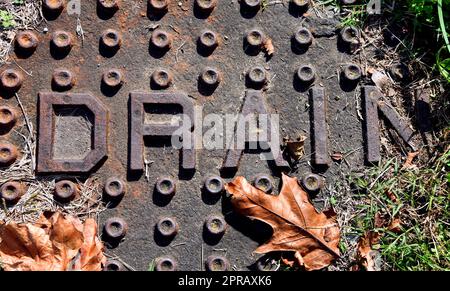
{"type": "Point", "coordinates": [25, 71]}
{"type": "Point", "coordinates": [178, 49]}
{"type": "Point", "coordinates": [174, 29]}
{"type": "Point", "coordinates": [80, 31]}
{"type": "Point", "coordinates": [30, 129]}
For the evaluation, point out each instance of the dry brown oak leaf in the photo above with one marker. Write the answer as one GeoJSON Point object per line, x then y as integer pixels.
{"type": "Point", "coordinates": [54, 243]}
{"type": "Point", "coordinates": [365, 254]}
{"type": "Point", "coordinates": [297, 226]}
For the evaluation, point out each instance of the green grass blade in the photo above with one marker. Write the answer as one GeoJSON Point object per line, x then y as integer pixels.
{"type": "Point", "coordinates": [442, 24]}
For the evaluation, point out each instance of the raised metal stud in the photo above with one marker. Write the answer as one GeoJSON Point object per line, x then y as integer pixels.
{"type": "Point", "coordinates": [306, 74]}
{"type": "Point", "coordinates": [399, 72]}
{"type": "Point", "coordinates": [11, 80]}
{"type": "Point", "coordinates": [161, 39]}
{"type": "Point", "coordinates": [348, 2]}
{"type": "Point", "coordinates": [109, 4]}
{"type": "Point", "coordinates": [300, 3]}
{"type": "Point", "coordinates": [208, 39]}
{"type": "Point", "coordinates": [26, 41]}
{"type": "Point", "coordinates": [210, 77]}
{"type": "Point", "coordinates": [350, 37]}
{"type": "Point", "coordinates": [8, 154]}
{"type": "Point", "coordinates": [166, 186]}
{"type": "Point", "coordinates": [114, 266]}
{"type": "Point", "coordinates": [206, 5]}
{"type": "Point", "coordinates": [158, 5]}
{"type": "Point", "coordinates": [65, 190]}
{"type": "Point", "coordinates": [351, 72]}
{"type": "Point", "coordinates": [312, 182]}
{"type": "Point", "coordinates": [12, 191]}
{"type": "Point", "coordinates": [303, 37]}
{"type": "Point", "coordinates": [216, 225]}
{"type": "Point", "coordinates": [115, 228]}
{"type": "Point", "coordinates": [167, 226]}
{"type": "Point", "coordinates": [264, 183]}
{"type": "Point", "coordinates": [265, 264]}
{"type": "Point", "coordinates": [165, 264]}
{"type": "Point", "coordinates": [214, 185]}
{"type": "Point", "coordinates": [162, 78]}
{"type": "Point", "coordinates": [8, 118]}
{"type": "Point", "coordinates": [255, 38]}
{"type": "Point", "coordinates": [112, 78]}
{"type": "Point", "coordinates": [111, 39]}
{"type": "Point", "coordinates": [252, 4]}
{"type": "Point", "coordinates": [63, 79]}
{"type": "Point", "coordinates": [62, 40]}
{"type": "Point", "coordinates": [257, 75]}
{"type": "Point", "coordinates": [217, 263]}
{"type": "Point", "coordinates": [115, 187]}
{"type": "Point", "coordinates": [53, 5]}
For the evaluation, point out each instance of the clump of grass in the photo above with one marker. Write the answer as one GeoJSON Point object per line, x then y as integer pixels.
{"type": "Point", "coordinates": [351, 15]}
{"type": "Point", "coordinates": [430, 22]}
{"type": "Point", "coordinates": [420, 199]}
{"type": "Point", "coordinates": [6, 19]}
{"type": "Point", "coordinates": [443, 63]}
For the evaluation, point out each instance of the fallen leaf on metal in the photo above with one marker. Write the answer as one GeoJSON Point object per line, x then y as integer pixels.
{"type": "Point", "coordinates": [297, 226]}
{"type": "Point", "coordinates": [268, 47]}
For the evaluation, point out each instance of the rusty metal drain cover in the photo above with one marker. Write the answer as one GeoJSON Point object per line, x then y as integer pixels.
{"type": "Point", "coordinates": [107, 83]}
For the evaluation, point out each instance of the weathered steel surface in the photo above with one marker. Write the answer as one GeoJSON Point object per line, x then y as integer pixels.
{"type": "Point", "coordinates": [171, 54]}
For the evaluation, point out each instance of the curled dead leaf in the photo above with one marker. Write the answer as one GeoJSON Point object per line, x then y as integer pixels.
{"type": "Point", "coordinates": [392, 196]}
{"type": "Point", "coordinates": [268, 47]}
{"type": "Point", "coordinates": [288, 262]}
{"type": "Point", "coordinates": [366, 255]}
{"type": "Point", "coordinates": [395, 226]}
{"type": "Point", "coordinates": [56, 242]}
{"type": "Point", "coordinates": [381, 80]}
{"type": "Point", "coordinates": [296, 148]}
{"type": "Point", "coordinates": [337, 156]}
{"type": "Point", "coordinates": [371, 70]}
{"type": "Point", "coordinates": [380, 220]}
{"type": "Point", "coordinates": [297, 226]}
{"type": "Point", "coordinates": [409, 161]}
